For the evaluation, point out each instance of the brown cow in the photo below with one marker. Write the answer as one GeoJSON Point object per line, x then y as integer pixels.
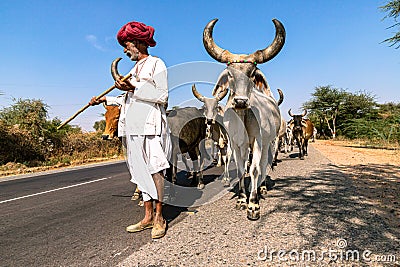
{"type": "Point", "coordinates": [303, 130]}
{"type": "Point", "coordinates": [112, 117]}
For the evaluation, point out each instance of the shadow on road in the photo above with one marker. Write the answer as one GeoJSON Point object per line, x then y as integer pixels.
{"type": "Point", "coordinates": [357, 203]}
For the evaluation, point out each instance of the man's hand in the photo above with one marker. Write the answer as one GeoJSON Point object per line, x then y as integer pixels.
{"type": "Point", "coordinates": [124, 85]}
{"type": "Point", "coordinates": [94, 101]}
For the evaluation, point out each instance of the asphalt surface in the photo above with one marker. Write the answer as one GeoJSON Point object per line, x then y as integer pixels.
{"type": "Point", "coordinates": [74, 218]}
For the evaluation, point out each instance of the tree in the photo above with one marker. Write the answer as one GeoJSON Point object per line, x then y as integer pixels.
{"type": "Point", "coordinates": [100, 126]}
{"type": "Point", "coordinates": [358, 105]}
{"type": "Point", "coordinates": [27, 114]}
{"type": "Point", "coordinates": [325, 104]}
{"type": "Point", "coordinates": [393, 9]}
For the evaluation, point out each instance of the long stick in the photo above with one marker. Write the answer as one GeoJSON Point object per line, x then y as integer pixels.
{"type": "Point", "coordinates": [88, 105]}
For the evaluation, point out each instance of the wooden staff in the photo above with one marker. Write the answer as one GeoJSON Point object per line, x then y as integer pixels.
{"type": "Point", "coordinates": [88, 105]}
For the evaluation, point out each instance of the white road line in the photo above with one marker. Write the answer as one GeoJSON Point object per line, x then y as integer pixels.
{"type": "Point", "coordinates": [53, 190]}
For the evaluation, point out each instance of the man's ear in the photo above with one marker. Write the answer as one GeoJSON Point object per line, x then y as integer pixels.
{"type": "Point", "coordinates": [222, 84]}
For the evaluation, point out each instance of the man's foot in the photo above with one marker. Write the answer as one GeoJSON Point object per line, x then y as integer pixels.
{"type": "Point", "coordinates": [159, 229]}
{"type": "Point", "coordinates": [139, 227]}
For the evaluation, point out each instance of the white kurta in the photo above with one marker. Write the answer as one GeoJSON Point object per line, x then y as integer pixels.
{"type": "Point", "coordinates": [144, 123]}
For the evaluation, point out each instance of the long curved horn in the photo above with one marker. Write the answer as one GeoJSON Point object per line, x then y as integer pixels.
{"type": "Point", "coordinates": [280, 96]}
{"type": "Point", "coordinates": [216, 52]}
{"type": "Point", "coordinates": [114, 69]}
{"type": "Point", "coordinates": [197, 94]}
{"type": "Point", "coordinates": [260, 56]}
{"type": "Point", "coordinates": [304, 113]}
{"type": "Point", "coordinates": [290, 113]}
{"type": "Point", "coordinates": [268, 53]}
{"type": "Point", "coordinates": [220, 96]}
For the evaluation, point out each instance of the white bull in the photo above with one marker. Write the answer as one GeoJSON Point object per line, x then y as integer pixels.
{"type": "Point", "coordinates": [252, 116]}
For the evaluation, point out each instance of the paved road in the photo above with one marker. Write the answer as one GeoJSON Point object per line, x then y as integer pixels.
{"type": "Point", "coordinates": [73, 218]}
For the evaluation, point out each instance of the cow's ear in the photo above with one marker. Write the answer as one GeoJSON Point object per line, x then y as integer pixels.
{"type": "Point", "coordinates": [260, 82]}
{"type": "Point", "coordinates": [222, 83]}
{"type": "Point", "coordinates": [291, 124]}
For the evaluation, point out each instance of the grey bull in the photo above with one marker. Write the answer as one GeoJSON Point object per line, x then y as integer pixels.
{"type": "Point", "coordinates": [215, 129]}
{"type": "Point", "coordinates": [252, 116]}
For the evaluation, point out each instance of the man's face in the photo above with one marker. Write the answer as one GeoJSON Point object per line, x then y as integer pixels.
{"type": "Point", "coordinates": [131, 50]}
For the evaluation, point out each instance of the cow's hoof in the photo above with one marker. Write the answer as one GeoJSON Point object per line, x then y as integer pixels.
{"type": "Point", "coordinates": [226, 182]}
{"type": "Point", "coordinates": [241, 205]}
{"type": "Point", "coordinates": [263, 190]}
{"type": "Point", "coordinates": [141, 203]}
{"type": "Point", "coordinates": [200, 186]}
{"type": "Point", "coordinates": [253, 211]}
{"type": "Point", "coordinates": [302, 158]}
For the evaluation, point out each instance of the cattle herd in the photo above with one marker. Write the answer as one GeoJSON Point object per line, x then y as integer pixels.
{"type": "Point", "coordinates": [249, 128]}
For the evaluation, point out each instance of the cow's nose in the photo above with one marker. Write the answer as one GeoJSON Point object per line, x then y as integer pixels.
{"type": "Point", "coordinates": [241, 102]}
{"type": "Point", "coordinates": [210, 121]}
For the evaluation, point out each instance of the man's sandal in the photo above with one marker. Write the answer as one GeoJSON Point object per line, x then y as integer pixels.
{"type": "Point", "coordinates": [158, 230]}
{"type": "Point", "coordinates": [139, 227]}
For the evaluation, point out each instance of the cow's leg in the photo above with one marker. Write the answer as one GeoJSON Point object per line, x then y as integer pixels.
{"type": "Point", "coordinates": [277, 145]}
{"type": "Point", "coordinates": [227, 160]}
{"type": "Point", "coordinates": [253, 207]}
{"type": "Point", "coordinates": [239, 156]}
{"type": "Point", "coordinates": [189, 171]}
{"type": "Point", "coordinates": [305, 145]}
{"type": "Point", "coordinates": [219, 164]}
{"type": "Point", "coordinates": [171, 177]}
{"type": "Point", "coordinates": [300, 145]}
{"type": "Point", "coordinates": [248, 162]}
{"type": "Point", "coordinates": [266, 161]}
{"type": "Point", "coordinates": [198, 174]}
{"type": "Point", "coordinates": [285, 144]}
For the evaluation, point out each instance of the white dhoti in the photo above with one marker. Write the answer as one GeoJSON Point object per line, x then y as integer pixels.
{"type": "Point", "coordinates": [146, 155]}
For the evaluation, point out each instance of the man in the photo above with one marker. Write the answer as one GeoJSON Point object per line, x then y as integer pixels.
{"type": "Point", "coordinates": [143, 123]}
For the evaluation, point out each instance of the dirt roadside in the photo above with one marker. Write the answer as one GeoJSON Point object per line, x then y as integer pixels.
{"type": "Point", "coordinates": [347, 153]}
{"type": "Point", "coordinates": [375, 173]}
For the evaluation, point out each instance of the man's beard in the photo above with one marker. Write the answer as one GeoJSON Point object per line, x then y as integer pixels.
{"type": "Point", "coordinates": [132, 56]}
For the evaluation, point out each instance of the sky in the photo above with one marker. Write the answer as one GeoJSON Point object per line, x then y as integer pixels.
{"type": "Point", "coordinates": [60, 51]}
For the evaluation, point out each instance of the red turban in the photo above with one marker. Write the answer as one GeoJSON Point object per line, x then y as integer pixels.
{"type": "Point", "coordinates": [136, 31]}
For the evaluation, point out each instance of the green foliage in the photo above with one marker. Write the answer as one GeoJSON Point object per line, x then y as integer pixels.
{"type": "Point", "coordinates": [353, 115]}
{"type": "Point", "coordinates": [26, 114]}
{"type": "Point", "coordinates": [29, 138]}
{"type": "Point", "coordinates": [100, 126]}
{"type": "Point", "coordinates": [325, 100]}
{"type": "Point", "coordinates": [393, 10]}
{"type": "Point", "coordinates": [326, 104]}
